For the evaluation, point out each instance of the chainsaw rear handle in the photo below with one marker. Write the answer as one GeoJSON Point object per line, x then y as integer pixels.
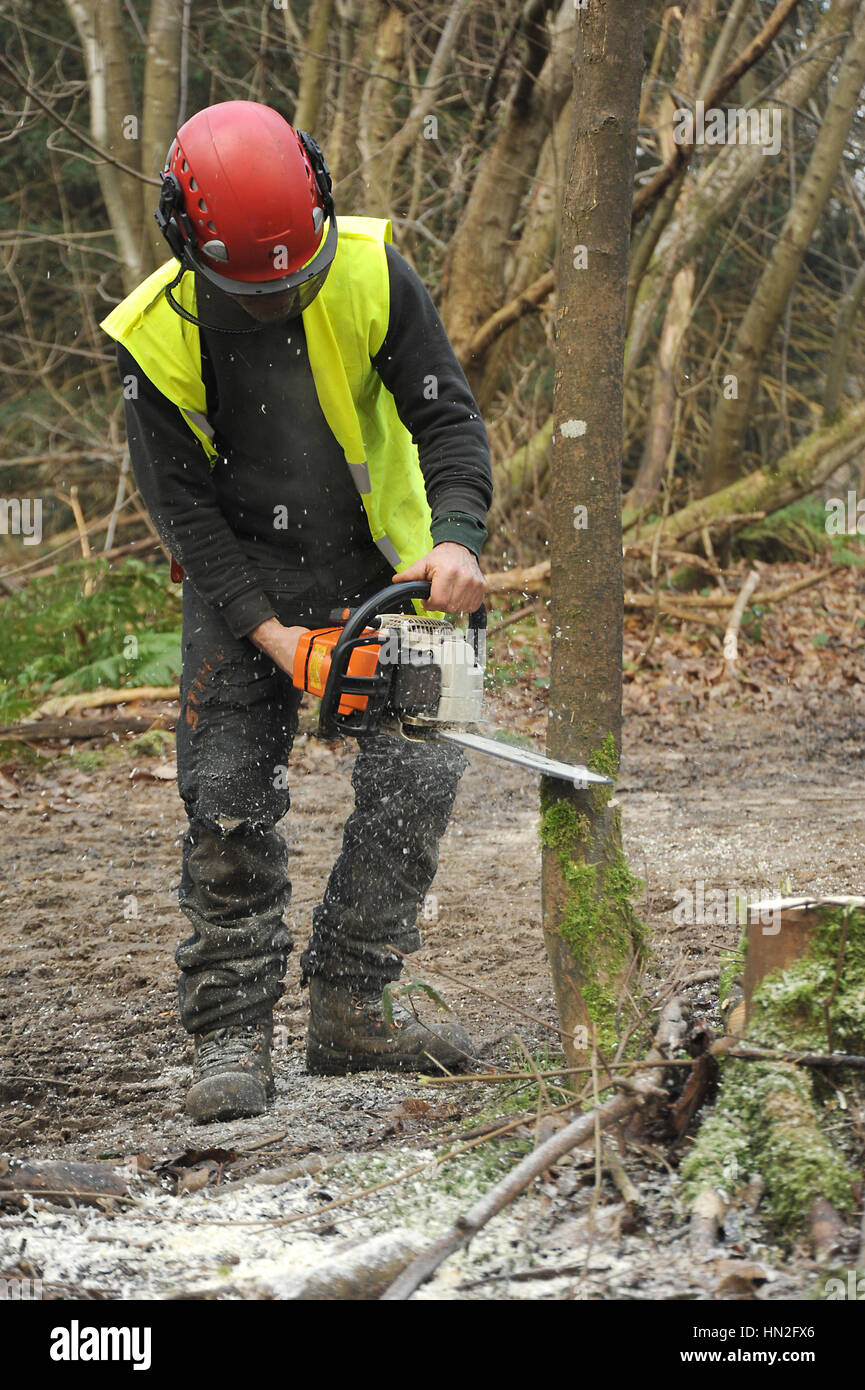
{"type": "Point", "coordinates": [376, 688]}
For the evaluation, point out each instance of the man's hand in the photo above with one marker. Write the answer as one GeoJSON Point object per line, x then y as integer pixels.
{"type": "Point", "coordinates": [278, 642]}
{"type": "Point", "coordinates": [455, 575]}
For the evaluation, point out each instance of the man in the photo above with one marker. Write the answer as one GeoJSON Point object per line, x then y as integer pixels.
{"type": "Point", "coordinates": [299, 428]}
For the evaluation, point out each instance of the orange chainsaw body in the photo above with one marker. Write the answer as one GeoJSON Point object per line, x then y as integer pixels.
{"type": "Point", "coordinates": [312, 664]}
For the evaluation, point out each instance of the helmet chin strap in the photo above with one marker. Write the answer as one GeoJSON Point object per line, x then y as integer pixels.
{"type": "Point", "coordinates": [199, 323]}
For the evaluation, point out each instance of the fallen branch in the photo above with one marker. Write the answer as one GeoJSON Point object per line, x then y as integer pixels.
{"type": "Point", "coordinates": [130, 548]}
{"type": "Point", "coordinates": [489, 1078]}
{"type": "Point", "coordinates": [421, 1269]}
{"type": "Point", "coordinates": [802, 1059]}
{"type": "Point", "coordinates": [617, 1171]}
{"type": "Point", "coordinates": [88, 1183]}
{"type": "Point", "coordinates": [530, 610]}
{"type": "Point", "coordinates": [98, 699]}
{"type": "Point", "coordinates": [731, 635]}
{"type": "Point", "coordinates": [80, 524]}
{"type": "Point", "coordinates": [310, 1165]}
{"type": "Point", "coordinates": [523, 303]}
{"type": "Point", "coordinates": [707, 1215]}
{"type": "Point", "coordinates": [797, 473]}
{"type": "Point", "coordinates": [358, 1273]}
{"type": "Point", "coordinates": [827, 1230]}
{"type": "Point", "coordinates": [538, 576]}
{"type": "Point", "coordinates": [700, 977]}
{"type": "Point", "coordinates": [516, 580]}
{"type": "Point", "coordinates": [43, 730]}
{"type": "Point", "coordinates": [634, 600]}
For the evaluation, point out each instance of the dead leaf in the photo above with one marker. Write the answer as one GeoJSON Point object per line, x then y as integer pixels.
{"type": "Point", "coordinates": [193, 1179]}
{"type": "Point", "coordinates": [736, 1022]}
{"type": "Point", "coordinates": [160, 772]}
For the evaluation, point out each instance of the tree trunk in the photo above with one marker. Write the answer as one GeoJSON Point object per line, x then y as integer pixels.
{"type": "Point", "coordinates": [535, 252]}
{"type": "Point", "coordinates": [100, 30]}
{"type": "Point", "coordinates": [357, 37]}
{"type": "Point", "coordinates": [527, 467]}
{"type": "Point", "coordinates": [313, 74]}
{"type": "Point", "coordinates": [847, 310]}
{"type": "Point", "coordinates": [377, 121]}
{"type": "Point", "coordinates": [386, 165]}
{"type": "Point", "coordinates": [662, 407]}
{"type": "Point", "coordinates": [659, 428]}
{"type": "Point", "coordinates": [733, 21]}
{"type": "Point", "coordinates": [733, 411]}
{"type": "Point", "coordinates": [736, 72]}
{"type": "Point", "coordinates": [474, 271]}
{"type": "Point", "coordinates": [591, 931]}
{"type": "Point", "coordinates": [159, 112]}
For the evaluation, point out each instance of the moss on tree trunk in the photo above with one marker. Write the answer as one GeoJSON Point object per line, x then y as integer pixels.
{"type": "Point", "coordinates": [595, 921]}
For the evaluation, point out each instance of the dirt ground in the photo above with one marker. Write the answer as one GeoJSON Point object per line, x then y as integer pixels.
{"type": "Point", "coordinates": [95, 1066]}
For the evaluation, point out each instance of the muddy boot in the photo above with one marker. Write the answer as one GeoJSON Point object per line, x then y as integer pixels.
{"type": "Point", "coordinates": [232, 1075]}
{"type": "Point", "coordinates": [348, 1032]}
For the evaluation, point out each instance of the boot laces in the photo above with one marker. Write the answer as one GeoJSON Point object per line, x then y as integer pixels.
{"type": "Point", "coordinates": [228, 1046]}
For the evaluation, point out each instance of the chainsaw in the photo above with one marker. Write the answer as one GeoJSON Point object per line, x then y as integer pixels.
{"type": "Point", "coordinates": [415, 677]}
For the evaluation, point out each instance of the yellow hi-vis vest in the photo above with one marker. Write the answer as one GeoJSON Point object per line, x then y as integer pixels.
{"type": "Point", "coordinates": [345, 326]}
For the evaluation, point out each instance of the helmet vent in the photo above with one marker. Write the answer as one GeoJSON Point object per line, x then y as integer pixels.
{"type": "Point", "coordinates": [202, 205]}
{"type": "Point", "coordinates": [216, 250]}
{"type": "Point", "coordinates": [317, 219]}
{"type": "Point", "coordinates": [192, 184]}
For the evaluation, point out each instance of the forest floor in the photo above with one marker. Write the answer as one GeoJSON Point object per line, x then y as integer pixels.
{"type": "Point", "coordinates": [750, 793]}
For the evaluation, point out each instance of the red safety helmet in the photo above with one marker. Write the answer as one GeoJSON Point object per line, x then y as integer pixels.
{"type": "Point", "coordinates": [244, 202]}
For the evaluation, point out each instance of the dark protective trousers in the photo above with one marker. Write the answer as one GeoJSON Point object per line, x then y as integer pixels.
{"type": "Point", "coordinates": [238, 718]}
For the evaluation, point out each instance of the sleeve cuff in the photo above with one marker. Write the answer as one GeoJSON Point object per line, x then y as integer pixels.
{"type": "Point", "coordinates": [246, 612]}
{"type": "Point", "coordinates": [460, 528]}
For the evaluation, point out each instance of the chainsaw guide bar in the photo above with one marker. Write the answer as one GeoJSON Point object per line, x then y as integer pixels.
{"type": "Point", "coordinates": [522, 757]}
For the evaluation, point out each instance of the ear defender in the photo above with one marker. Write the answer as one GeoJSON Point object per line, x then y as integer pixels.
{"type": "Point", "coordinates": [324, 182]}
{"type": "Point", "coordinates": [170, 212]}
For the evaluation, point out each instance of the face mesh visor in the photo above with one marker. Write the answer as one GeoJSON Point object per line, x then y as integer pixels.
{"type": "Point", "coordinates": [297, 299]}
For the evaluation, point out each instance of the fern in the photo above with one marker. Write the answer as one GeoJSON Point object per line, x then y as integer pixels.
{"type": "Point", "coordinates": [157, 663]}
{"type": "Point", "coordinates": [54, 635]}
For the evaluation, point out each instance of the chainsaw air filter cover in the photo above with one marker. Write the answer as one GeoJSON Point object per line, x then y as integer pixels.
{"type": "Point", "coordinates": [438, 678]}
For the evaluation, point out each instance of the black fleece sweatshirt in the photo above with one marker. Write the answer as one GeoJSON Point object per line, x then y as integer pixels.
{"type": "Point", "coordinates": [279, 514]}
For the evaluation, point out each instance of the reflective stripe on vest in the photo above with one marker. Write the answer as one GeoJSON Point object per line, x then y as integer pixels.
{"type": "Point", "coordinates": [389, 551]}
{"type": "Point", "coordinates": [360, 474]}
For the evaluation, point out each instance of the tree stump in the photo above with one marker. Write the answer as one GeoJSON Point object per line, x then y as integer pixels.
{"type": "Point", "coordinates": [777, 1116]}
{"type": "Point", "coordinates": [780, 931]}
